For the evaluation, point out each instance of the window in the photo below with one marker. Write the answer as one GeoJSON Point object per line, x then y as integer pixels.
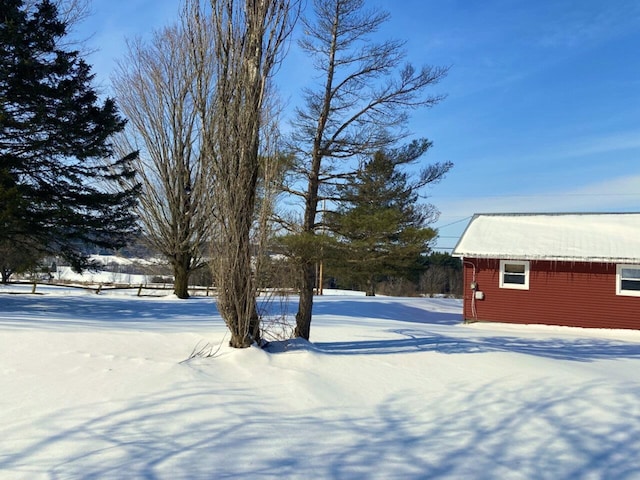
{"type": "Point", "coordinates": [514, 274]}
{"type": "Point", "coordinates": [628, 280]}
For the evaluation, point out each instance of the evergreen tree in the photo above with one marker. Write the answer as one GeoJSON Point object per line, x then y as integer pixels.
{"type": "Point", "coordinates": [58, 182]}
{"type": "Point", "coordinates": [380, 228]}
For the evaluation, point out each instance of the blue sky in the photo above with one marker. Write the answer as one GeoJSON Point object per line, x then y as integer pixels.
{"type": "Point", "coordinates": [543, 97]}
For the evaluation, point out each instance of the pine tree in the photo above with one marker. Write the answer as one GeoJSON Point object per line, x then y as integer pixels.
{"type": "Point", "coordinates": [58, 182]}
{"type": "Point", "coordinates": [380, 228]}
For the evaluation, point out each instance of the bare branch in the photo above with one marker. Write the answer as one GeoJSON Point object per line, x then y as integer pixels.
{"type": "Point", "coordinates": [361, 107]}
{"type": "Point", "coordinates": [155, 85]}
{"type": "Point", "coordinates": [243, 50]}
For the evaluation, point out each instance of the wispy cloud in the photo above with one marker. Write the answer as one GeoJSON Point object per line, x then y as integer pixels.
{"type": "Point", "coordinates": [592, 22]}
{"type": "Point", "coordinates": [617, 141]}
{"type": "Point", "coordinates": [585, 146]}
{"type": "Point", "coordinates": [620, 194]}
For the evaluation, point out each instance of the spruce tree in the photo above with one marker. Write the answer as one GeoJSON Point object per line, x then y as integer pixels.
{"type": "Point", "coordinates": [380, 227]}
{"type": "Point", "coordinates": [58, 180]}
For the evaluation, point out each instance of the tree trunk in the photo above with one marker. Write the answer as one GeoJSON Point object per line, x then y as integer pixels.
{"type": "Point", "coordinates": [305, 305]}
{"type": "Point", "coordinates": [181, 273]}
{"type": "Point", "coordinates": [236, 298]}
{"type": "Point", "coordinates": [244, 326]}
{"type": "Point", "coordinates": [245, 43]}
{"type": "Point", "coordinates": [308, 269]}
{"type": "Point", "coordinates": [371, 287]}
{"type": "Point", "coordinates": [240, 340]}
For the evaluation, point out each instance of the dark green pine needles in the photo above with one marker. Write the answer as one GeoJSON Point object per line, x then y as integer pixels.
{"type": "Point", "coordinates": [59, 183]}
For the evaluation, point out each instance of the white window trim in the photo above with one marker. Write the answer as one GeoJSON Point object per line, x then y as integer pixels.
{"type": "Point", "coordinates": [516, 286]}
{"type": "Point", "coordinates": [619, 290]}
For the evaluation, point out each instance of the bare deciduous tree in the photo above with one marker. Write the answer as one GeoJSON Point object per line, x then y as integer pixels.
{"type": "Point", "coordinates": [155, 89]}
{"type": "Point", "coordinates": [360, 107]}
{"type": "Point", "coordinates": [247, 39]}
{"type": "Point", "coordinates": [71, 12]}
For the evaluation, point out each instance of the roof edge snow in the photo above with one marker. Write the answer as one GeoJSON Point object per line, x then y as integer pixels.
{"type": "Point", "coordinates": [584, 237]}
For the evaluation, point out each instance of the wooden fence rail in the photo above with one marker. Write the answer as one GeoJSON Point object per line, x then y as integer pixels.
{"type": "Point", "coordinates": [99, 288]}
{"type": "Point", "coordinates": [141, 288]}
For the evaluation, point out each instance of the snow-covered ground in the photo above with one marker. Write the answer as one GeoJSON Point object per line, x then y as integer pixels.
{"type": "Point", "coordinates": [92, 386]}
{"type": "Point", "coordinates": [66, 274]}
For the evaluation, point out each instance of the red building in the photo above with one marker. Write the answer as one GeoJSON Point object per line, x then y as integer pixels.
{"type": "Point", "coordinates": [579, 270]}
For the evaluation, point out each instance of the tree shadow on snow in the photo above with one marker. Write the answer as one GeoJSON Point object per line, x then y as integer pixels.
{"type": "Point", "coordinates": [436, 311]}
{"type": "Point", "coordinates": [407, 341]}
{"type": "Point", "coordinates": [496, 431]}
{"type": "Point", "coordinates": [425, 339]}
{"type": "Point", "coordinates": [95, 311]}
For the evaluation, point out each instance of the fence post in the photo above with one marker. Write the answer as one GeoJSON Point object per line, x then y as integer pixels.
{"type": "Point", "coordinates": [140, 290]}
{"type": "Point", "coordinates": [33, 289]}
{"type": "Point", "coordinates": [99, 288]}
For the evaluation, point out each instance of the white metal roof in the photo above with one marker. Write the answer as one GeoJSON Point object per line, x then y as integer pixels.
{"type": "Point", "coordinates": [597, 237]}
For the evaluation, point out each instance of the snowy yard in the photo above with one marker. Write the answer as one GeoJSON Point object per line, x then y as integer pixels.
{"type": "Point", "coordinates": [91, 386]}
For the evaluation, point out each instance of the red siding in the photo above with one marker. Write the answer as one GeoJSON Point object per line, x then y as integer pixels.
{"type": "Point", "coordinates": [560, 293]}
